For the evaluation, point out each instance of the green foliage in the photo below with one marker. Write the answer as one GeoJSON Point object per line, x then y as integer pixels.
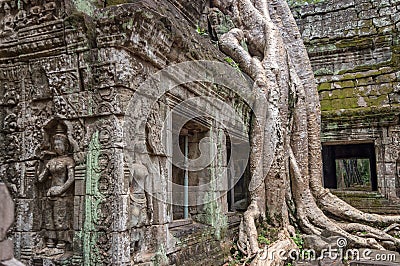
{"type": "Point", "coordinates": [263, 240]}
{"type": "Point", "coordinates": [234, 262]}
{"type": "Point", "coordinates": [232, 63]}
{"type": "Point", "coordinates": [237, 257]}
{"type": "Point", "coordinates": [200, 30]}
{"type": "Point", "coordinates": [353, 172]}
{"type": "Point", "coordinates": [298, 240]}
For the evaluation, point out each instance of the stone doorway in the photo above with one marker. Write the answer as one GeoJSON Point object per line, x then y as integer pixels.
{"type": "Point", "coordinates": [350, 166]}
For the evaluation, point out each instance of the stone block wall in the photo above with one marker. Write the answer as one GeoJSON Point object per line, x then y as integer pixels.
{"type": "Point", "coordinates": [354, 48]}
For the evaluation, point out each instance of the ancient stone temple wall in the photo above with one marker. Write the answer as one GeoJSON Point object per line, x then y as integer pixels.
{"type": "Point", "coordinates": [67, 73]}
{"type": "Point", "coordinates": [354, 47]}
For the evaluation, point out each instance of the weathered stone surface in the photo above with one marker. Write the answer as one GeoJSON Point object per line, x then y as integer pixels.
{"type": "Point", "coordinates": [68, 72]}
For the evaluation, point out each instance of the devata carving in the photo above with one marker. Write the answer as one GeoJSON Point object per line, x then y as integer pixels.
{"type": "Point", "coordinates": [57, 199]}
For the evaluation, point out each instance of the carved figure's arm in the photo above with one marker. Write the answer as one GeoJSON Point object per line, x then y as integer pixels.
{"type": "Point", "coordinates": [44, 174]}
{"type": "Point", "coordinates": [70, 180]}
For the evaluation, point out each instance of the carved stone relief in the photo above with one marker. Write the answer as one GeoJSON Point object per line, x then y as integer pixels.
{"type": "Point", "coordinates": [153, 35]}
{"type": "Point", "coordinates": [9, 174]}
{"type": "Point", "coordinates": [7, 21]}
{"type": "Point", "coordinates": [64, 82]}
{"type": "Point", "coordinates": [39, 88]}
{"type": "Point", "coordinates": [10, 128]}
{"type": "Point", "coordinates": [56, 173]}
{"type": "Point", "coordinates": [154, 128]}
{"type": "Point", "coordinates": [141, 205]}
{"type": "Point", "coordinates": [10, 93]}
{"type": "Point", "coordinates": [20, 14]}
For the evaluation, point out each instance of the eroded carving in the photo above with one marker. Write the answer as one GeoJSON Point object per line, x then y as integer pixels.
{"type": "Point", "coordinates": [154, 131]}
{"type": "Point", "coordinates": [40, 84]}
{"type": "Point", "coordinates": [141, 202]}
{"type": "Point", "coordinates": [10, 96]}
{"type": "Point", "coordinates": [7, 22]}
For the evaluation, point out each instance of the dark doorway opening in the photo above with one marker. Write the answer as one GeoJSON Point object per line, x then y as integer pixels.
{"type": "Point", "coordinates": [238, 188]}
{"type": "Point", "coordinates": [350, 166]}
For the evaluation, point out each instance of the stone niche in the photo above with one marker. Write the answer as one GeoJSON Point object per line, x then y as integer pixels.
{"type": "Point", "coordinates": [67, 74]}
{"type": "Point", "coordinates": [354, 51]}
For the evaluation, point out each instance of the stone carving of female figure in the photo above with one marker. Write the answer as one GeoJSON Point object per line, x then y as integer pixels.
{"type": "Point", "coordinates": [58, 200]}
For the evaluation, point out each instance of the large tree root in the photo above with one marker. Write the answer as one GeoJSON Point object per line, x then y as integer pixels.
{"type": "Point", "coordinates": [248, 231]}
{"type": "Point", "coordinates": [285, 137]}
{"type": "Point", "coordinates": [272, 256]}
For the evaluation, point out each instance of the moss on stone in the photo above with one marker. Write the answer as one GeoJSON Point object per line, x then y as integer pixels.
{"type": "Point", "coordinates": [84, 6]}
{"type": "Point", "coordinates": [324, 95]}
{"type": "Point", "coordinates": [356, 42]}
{"type": "Point", "coordinates": [326, 105]}
{"type": "Point", "coordinates": [346, 93]}
{"type": "Point", "coordinates": [344, 84]}
{"type": "Point", "coordinates": [384, 89]}
{"type": "Point", "coordinates": [92, 200]}
{"type": "Point", "coordinates": [347, 103]}
{"type": "Point", "coordinates": [348, 76]}
{"type": "Point", "coordinates": [377, 101]}
{"type": "Point", "coordinates": [323, 72]}
{"type": "Point", "coordinates": [364, 81]}
{"type": "Point", "coordinates": [368, 115]}
{"type": "Point", "coordinates": [386, 78]}
{"type": "Point", "coordinates": [324, 86]}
